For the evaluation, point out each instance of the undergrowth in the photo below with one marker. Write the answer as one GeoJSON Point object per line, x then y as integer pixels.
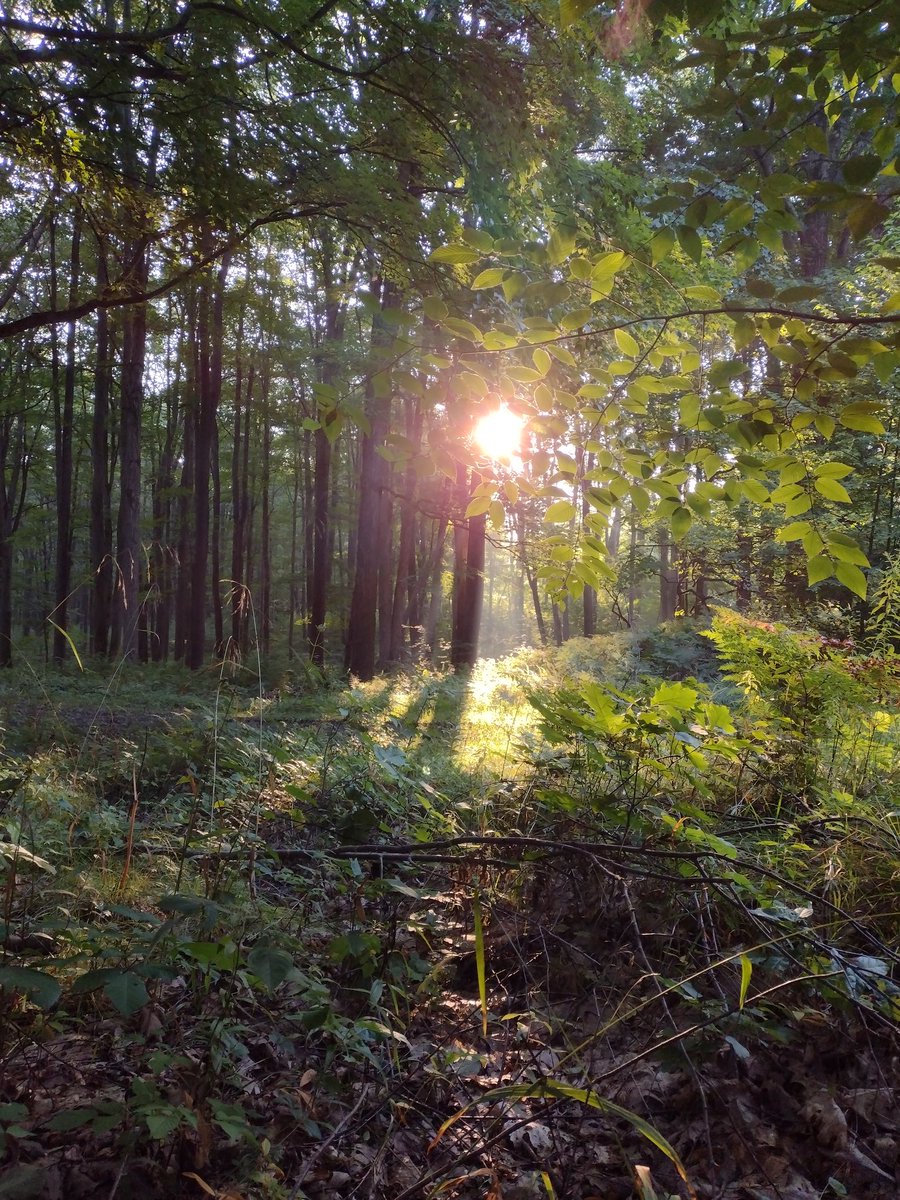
{"type": "Point", "coordinates": [578, 921]}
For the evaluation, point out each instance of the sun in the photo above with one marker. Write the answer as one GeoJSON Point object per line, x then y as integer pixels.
{"type": "Point", "coordinates": [499, 434]}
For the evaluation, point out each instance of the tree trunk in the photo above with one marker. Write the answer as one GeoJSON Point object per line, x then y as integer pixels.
{"type": "Point", "coordinates": [101, 519]}
{"type": "Point", "coordinates": [668, 578]}
{"type": "Point", "coordinates": [468, 578]}
{"type": "Point", "coordinates": [128, 530]}
{"type": "Point", "coordinates": [209, 338]}
{"type": "Point", "coordinates": [361, 632]}
{"type": "Point", "coordinates": [63, 422]}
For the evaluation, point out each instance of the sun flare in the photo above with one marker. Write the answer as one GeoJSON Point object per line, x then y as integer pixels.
{"type": "Point", "coordinates": [499, 434]}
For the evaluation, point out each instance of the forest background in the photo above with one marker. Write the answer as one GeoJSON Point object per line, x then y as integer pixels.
{"type": "Point", "coordinates": [269, 274]}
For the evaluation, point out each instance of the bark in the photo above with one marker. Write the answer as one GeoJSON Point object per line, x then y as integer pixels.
{"type": "Point", "coordinates": [63, 423]}
{"type": "Point", "coordinates": [101, 517]}
{"type": "Point", "coordinates": [468, 578]}
{"type": "Point", "coordinates": [668, 578]}
{"type": "Point", "coordinates": [209, 337]}
{"type": "Point", "coordinates": [128, 530]}
{"type": "Point", "coordinates": [361, 632]}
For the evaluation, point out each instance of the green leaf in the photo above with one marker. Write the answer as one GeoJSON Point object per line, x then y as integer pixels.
{"type": "Point", "coordinates": [861, 416]}
{"type": "Point", "coordinates": [833, 470]}
{"type": "Point", "coordinates": [793, 532]}
{"type": "Point", "coordinates": [464, 329]}
{"type": "Point", "coordinates": [161, 1122]}
{"type": "Point", "coordinates": [435, 308]}
{"type": "Point", "coordinates": [662, 245]}
{"type": "Point", "coordinates": [40, 988]}
{"type": "Point", "coordinates": [690, 242]}
{"type": "Point", "coordinates": [480, 966]}
{"type": "Point", "coordinates": [561, 512]}
{"type": "Point", "coordinates": [575, 319]}
{"type": "Point", "coordinates": [845, 553]}
{"type": "Point", "coordinates": [755, 491]}
{"type": "Point", "coordinates": [608, 264]}
{"type": "Point", "coordinates": [627, 343]}
{"type": "Point", "coordinates": [675, 695]}
{"type": "Point", "coordinates": [456, 255]}
{"type": "Point", "coordinates": [270, 965]}
{"type": "Point", "coordinates": [702, 292]}
{"type": "Point", "coordinates": [851, 577]}
{"type": "Point", "coordinates": [478, 507]}
{"type": "Point", "coordinates": [746, 972]}
{"type": "Point", "coordinates": [490, 278]}
{"type": "Point", "coordinates": [819, 568]}
{"type": "Point", "coordinates": [681, 521]}
{"type": "Point", "coordinates": [71, 1118]}
{"type": "Point", "coordinates": [126, 992]}
{"type": "Point", "coordinates": [861, 169]}
{"type": "Point", "coordinates": [832, 490]}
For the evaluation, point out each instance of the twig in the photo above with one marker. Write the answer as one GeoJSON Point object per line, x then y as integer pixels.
{"type": "Point", "coordinates": [329, 1141]}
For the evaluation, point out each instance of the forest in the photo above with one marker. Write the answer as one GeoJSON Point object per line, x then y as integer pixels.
{"type": "Point", "coordinates": [449, 599]}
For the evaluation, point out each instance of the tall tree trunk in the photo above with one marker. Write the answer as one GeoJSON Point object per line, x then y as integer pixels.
{"type": "Point", "coordinates": [468, 592]}
{"type": "Point", "coordinates": [63, 422]}
{"type": "Point", "coordinates": [101, 518]}
{"type": "Point", "coordinates": [128, 530]}
{"type": "Point", "coordinates": [361, 632]}
{"type": "Point", "coordinates": [668, 578]}
{"type": "Point", "coordinates": [218, 623]}
{"type": "Point", "coordinates": [209, 338]}
{"type": "Point", "coordinates": [265, 533]}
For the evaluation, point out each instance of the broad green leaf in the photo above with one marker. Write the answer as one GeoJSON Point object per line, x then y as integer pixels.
{"type": "Point", "coordinates": [681, 521]}
{"type": "Point", "coordinates": [560, 512]}
{"type": "Point", "coordinates": [575, 319]}
{"type": "Point", "coordinates": [270, 965]}
{"type": "Point", "coordinates": [794, 532]}
{"type": "Point", "coordinates": [608, 264]}
{"type": "Point", "coordinates": [833, 470]}
{"type": "Point", "coordinates": [845, 553]}
{"type": "Point", "coordinates": [542, 361]}
{"type": "Point", "coordinates": [739, 216]}
{"type": "Point", "coordinates": [755, 491]}
{"type": "Point", "coordinates": [861, 416]}
{"type": "Point", "coordinates": [662, 245]}
{"type": "Point", "coordinates": [819, 568]}
{"type": "Point", "coordinates": [627, 343]}
{"type": "Point", "coordinates": [702, 292]}
{"type": "Point", "coordinates": [479, 238]}
{"type": "Point", "coordinates": [832, 490]}
{"type": "Point", "coordinates": [71, 1118]}
{"type": "Point", "coordinates": [675, 695]}
{"type": "Point", "coordinates": [455, 255]}
{"type": "Point", "coordinates": [126, 991]}
{"type": "Point", "coordinates": [40, 988]}
{"type": "Point", "coordinates": [497, 514]}
{"type": "Point", "coordinates": [690, 242]}
{"type": "Point", "coordinates": [464, 329]}
{"type": "Point", "coordinates": [478, 507]}
{"type": "Point", "coordinates": [490, 278]}
{"type": "Point", "coordinates": [851, 577]}
{"type": "Point", "coordinates": [435, 308]}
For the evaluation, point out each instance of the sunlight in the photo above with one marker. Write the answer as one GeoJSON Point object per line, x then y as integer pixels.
{"type": "Point", "coordinates": [499, 434]}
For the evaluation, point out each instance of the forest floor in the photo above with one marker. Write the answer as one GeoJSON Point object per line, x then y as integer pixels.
{"type": "Point", "coordinates": [395, 941]}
